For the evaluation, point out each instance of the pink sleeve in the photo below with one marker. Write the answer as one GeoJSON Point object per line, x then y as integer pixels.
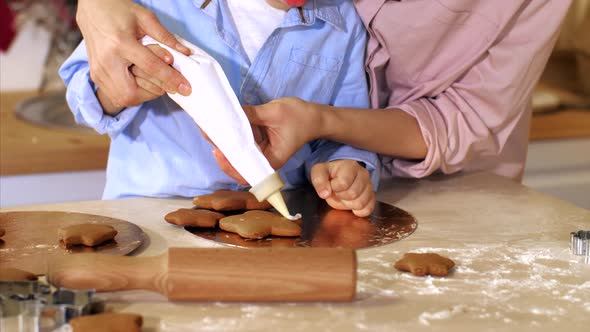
{"type": "Point", "coordinates": [481, 120]}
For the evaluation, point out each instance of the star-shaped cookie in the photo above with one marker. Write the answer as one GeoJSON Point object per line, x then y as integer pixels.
{"type": "Point", "coordinates": [259, 224]}
{"type": "Point", "coordinates": [109, 321]}
{"type": "Point", "coordinates": [194, 218]}
{"type": "Point", "coordinates": [87, 234]}
{"type": "Point", "coordinates": [228, 200]}
{"type": "Point", "coordinates": [426, 263]}
{"type": "Point", "coordinates": [10, 274]}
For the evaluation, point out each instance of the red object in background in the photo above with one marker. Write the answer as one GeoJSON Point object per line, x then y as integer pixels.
{"type": "Point", "coordinates": [296, 3]}
{"type": "Point", "coordinates": [7, 32]}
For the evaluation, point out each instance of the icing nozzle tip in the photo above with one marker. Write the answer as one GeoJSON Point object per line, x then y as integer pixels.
{"type": "Point", "coordinates": [270, 189]}
{"type": "Point", "coordinates": [295, 217]}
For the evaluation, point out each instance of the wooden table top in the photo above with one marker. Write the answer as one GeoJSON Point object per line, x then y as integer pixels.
{"type": "Point", "coordinates": [514, 270]}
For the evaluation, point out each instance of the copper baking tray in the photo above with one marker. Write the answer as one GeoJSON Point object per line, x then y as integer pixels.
{"type": "Point", "coordinates": [326, 227]}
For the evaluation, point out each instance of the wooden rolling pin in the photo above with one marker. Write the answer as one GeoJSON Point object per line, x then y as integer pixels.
{"type": "Point", "coordinates": [198, 274]}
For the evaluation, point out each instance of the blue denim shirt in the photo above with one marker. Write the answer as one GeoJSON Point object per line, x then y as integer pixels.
{"type": "Point", "coordinates": [156, 148]}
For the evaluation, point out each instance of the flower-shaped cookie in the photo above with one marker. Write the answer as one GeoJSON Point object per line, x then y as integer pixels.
{"type": "Point", "coordinates": [194, 218]}
{"type": "Point", "coordinates": [227, 200]}
{"type": "Point", "coordinates": [259, 224]}
{"type": "Point", "coordinates": [87, 234]}
{"type": "Point", "coordinates": [426, 263]}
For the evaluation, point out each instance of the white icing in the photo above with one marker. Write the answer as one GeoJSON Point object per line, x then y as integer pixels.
{"type": "Point", "coordinates": [295, 217]}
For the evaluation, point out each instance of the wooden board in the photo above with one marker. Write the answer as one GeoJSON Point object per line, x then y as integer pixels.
{"type": "Point", "coordinates": [31, 237]}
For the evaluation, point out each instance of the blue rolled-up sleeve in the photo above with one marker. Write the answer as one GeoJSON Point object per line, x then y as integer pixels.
{"type": "Point", "coordinates": [351, 90]}
{"type": "Point", "coordinates": [82, 100]}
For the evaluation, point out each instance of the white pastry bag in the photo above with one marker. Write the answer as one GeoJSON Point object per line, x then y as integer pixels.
{"type": "Point", "coordinates": [215, 108]}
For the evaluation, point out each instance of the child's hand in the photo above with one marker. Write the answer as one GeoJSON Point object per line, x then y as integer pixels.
{"type": "Point", "coordinates": [148, 88]}
{"type": "Point", "coordinates": [345, 185]}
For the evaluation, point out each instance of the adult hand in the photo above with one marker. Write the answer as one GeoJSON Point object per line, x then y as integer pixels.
{"type": "Point", "coordinates": [148, 88]}
{"type": "Point", "coordinates": [281, 127]}
{"type": "Point", "coordinates": [111, 29]}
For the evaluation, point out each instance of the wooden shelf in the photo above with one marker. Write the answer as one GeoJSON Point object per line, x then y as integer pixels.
{"type": "Point", "coordinates": [27, 149]}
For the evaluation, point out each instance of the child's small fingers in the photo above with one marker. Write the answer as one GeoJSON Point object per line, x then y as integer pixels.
{"type": "Point", "coordinates": [365, 211]}
{"type": "Point", "coordinates": [367, 197]}
{"type": "Point", "coordinates": [353, 204]}
{"type": "Point", "coordinates": [361, 201]}
{"type": "Point", "coordinates": [336, 204]}
{"type": "Point", "coordinates": [342, 181]}
{"type": "Point", "coordinates": [149, 86]}
{"type": "Point", "coordinates": [141, 74]}
{"type": "Point", "coordinates": [320, 179]}
{"type": "Point", "coordinates": [354, 191]}
{"type": "Point", "coordinates": [161, 53]}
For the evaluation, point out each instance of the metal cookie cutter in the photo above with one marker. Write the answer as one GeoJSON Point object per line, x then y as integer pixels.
{"type": "Point", "coordinates": [23, 290]}
{"type": "Point", "coordinates": [33, 304]}
{"type": "Point", "coordinates": [580, 243]}
{"type": "Point", "coordinates": [78, 302]}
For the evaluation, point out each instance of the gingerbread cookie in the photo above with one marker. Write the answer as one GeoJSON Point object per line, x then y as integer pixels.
{"type": "Point", "coordinates": [194, 218]}
{"type": "Point", "coordinates": [2, 232]}
{"type": "Point", "coordinates": [86, 234]}
{"type": "Point", "coordinates": [259, 224]}
{"type": "Point", "coordinates": [423, 264]}
{"type": "Point", "coordinates": [10, 274]}
{"type": "Point", "coordinates": [107, 322]}
{"type": "Point", "coordinates": [227, 200]}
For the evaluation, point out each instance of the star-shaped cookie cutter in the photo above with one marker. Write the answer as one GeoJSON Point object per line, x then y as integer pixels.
{"type": "Point", "coordinates": [580, 243]}
{"type": "Point", "coordinates": [36, 302]}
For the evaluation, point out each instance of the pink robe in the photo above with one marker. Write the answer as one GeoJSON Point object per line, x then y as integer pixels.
{"type": "Point", "coordinates": [465, 69]}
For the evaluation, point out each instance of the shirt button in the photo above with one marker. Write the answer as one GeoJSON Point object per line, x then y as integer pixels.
{"type": "Point", "coordinates": [248, 98]}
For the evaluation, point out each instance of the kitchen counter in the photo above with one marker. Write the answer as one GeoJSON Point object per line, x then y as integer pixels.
{"type": "Point", "coordinates": [563, 124]}
{"type": "Point", "coordinates": [562, 79]}
{"type": "Point", "coordinates": [514, 269]}
{"type": "Point", "coordinates": [27, 149]}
